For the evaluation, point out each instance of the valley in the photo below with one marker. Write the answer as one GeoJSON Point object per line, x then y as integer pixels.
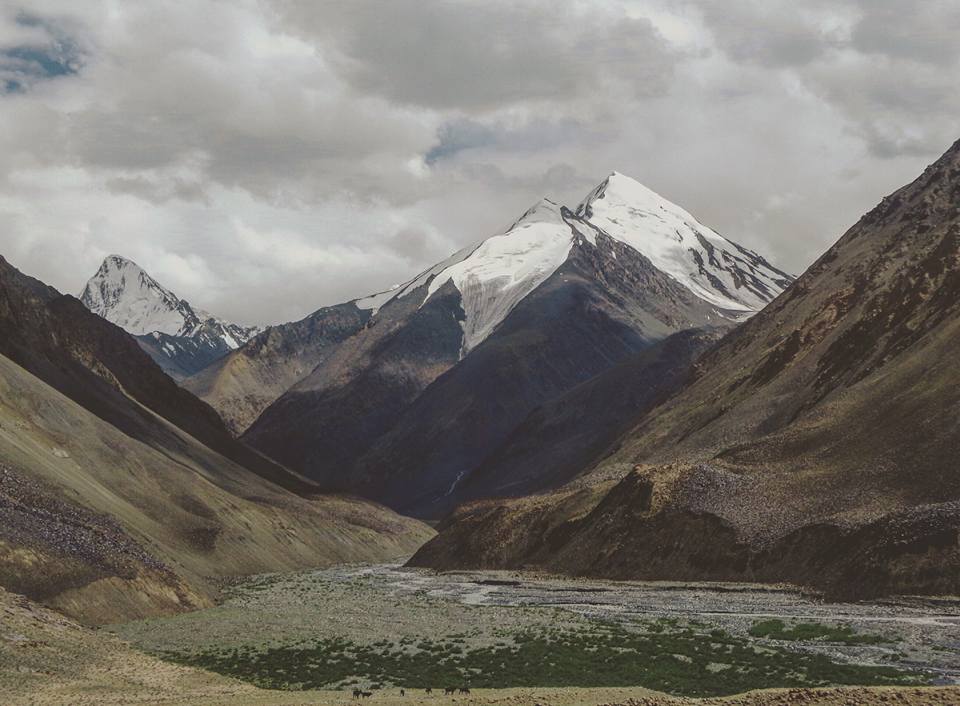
{"type": "Point", "coordinates": [663, 469]}
{"type": "Point", "coordinates": [384, 627]}
{"type": "Point", "coordinates": [517, 354]}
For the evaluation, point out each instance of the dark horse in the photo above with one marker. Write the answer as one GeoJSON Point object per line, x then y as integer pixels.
{"type": "Point", "coordinates": [464, 690]}
{"type": "Point", "coordinates": [450, 690]}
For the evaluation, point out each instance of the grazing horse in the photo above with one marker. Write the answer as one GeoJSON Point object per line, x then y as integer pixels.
{"type": "Point", "coordinates": [366, 694]}
{"type": "Point", "coordinates": [450, 690]}
{"type": "Point", "coordinates": [403, 693]}
{"type": "Point", "coordinates": [464, 690]}
{"type": "Point", "coordinates": [357, 693]}
{"type": "Point", "coordinates": [429, 690]}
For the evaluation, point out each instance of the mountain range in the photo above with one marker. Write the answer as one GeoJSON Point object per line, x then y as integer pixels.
{"type": "Point", "coordinates": [401, 396]}
{"type": "Point", "coordinates": [611, 390]}
{"type": "Point", "coordinates": [817, 443]}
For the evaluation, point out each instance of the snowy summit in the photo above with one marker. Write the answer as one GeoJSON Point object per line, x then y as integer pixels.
{"type": "Point", "coordinates": [167, 326]}
{"type": "Point", "coordinates": [494, 275]}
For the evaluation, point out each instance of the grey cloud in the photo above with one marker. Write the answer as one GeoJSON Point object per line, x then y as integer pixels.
{"type": "Point", "coordinates": [771, 33]}
{"type": "Point", "coordinates": [256, 115]}
{"type": "Point", "coordinates": [483, 56]}
{"type": "Point", "coordinates": [417, 244]}
{"type": "Point", "coordinates": [158, 190]}
{"type": "Point", "coordinates": [781, 33]}
{"type": "Point", "coordinates": [457, 136]}
{"type": "Point", "coordinates": [921, 31]}
{"type": "Point", "coordinates": [532, 135]}
{"type": "Point", "coordinates": [556, 180]}
{"type": "Point", "coordinates": [896, 110]}
{"type": "Point", "coordinates": [897, 107]}
{"type": "Point", "coordinates": [887, 66]}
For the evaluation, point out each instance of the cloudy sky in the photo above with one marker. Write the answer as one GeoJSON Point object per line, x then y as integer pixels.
{"type": "Point", "coordinates": [265, 158]}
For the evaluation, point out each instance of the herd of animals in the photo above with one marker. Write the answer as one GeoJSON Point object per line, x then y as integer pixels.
{"type": "Point", "coordinates": [448, 691]}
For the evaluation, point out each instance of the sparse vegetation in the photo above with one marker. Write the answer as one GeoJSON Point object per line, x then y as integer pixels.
{"type": "Point", "coordinates": [843, 634]}
{"type": "Point", "coordinates": [680, 661]}
{"type": "Point", "coordinates": [352, 627]}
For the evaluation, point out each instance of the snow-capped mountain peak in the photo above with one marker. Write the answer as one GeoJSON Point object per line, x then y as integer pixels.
{"type": "Point", "coordinates": [496, 273]}
{"type": "Point", "coordinates": [180, 338]}
{"type": "Point", "coordinates": [712, 267]}
{"type": "Point", "coordinates": [543, 211]}
{"type": "Point", "coordinates": [124, 294]}
{"type": "Point", "coordinates": [505, 268]}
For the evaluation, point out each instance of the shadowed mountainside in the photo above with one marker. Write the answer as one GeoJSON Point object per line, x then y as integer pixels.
{"type": "Point", "coordinates": [817, 443]}
{"type": "Point", "coordinates": [407, 409]}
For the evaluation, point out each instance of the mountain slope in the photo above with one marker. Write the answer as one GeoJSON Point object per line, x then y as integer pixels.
{"type": "Point", "coordinates": [101, 367]}
{"type": "Point", "coordinates": [563, 334]}
{"type": "Point", "coordinates": [450, 363]}
{"type": "Point", "coordinates": [122, 495]}
{"type": "Point", "coordinates": [818, 442]}
{"type": "Point", "coordinates": [181, 339]}
{"type": "Point", "coordinates": [243, 383]}
{"type": "Point", "coordinates": [557, 440]}
{"type": "Point", "coordinates": [357, 393]}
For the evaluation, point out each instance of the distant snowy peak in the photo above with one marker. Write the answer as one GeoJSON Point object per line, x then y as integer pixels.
{"type": "Point", "coordinates": [124, 294]}
{"type": "Point", "coordinates": [712, 267]}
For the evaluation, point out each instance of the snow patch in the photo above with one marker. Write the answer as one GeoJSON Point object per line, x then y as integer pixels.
{"type": "Point", "coordinates": [709, 265]}
{"type": "Point", "coordinates": [503, 270]}
{"type": "Point", "coordinates": [494, 274]}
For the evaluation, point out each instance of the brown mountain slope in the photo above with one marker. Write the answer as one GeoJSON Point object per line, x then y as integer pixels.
{"type": "Point", "coordinates": [109, 510]}
{"type": "Point", "coordinates": [245, 382]}
{"type": "Point", "coordinates": [101, 367]}
{"type": "Point", "coordinates": [104, 526]}
{"type": "Point", "coordinates": [819, 442]}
